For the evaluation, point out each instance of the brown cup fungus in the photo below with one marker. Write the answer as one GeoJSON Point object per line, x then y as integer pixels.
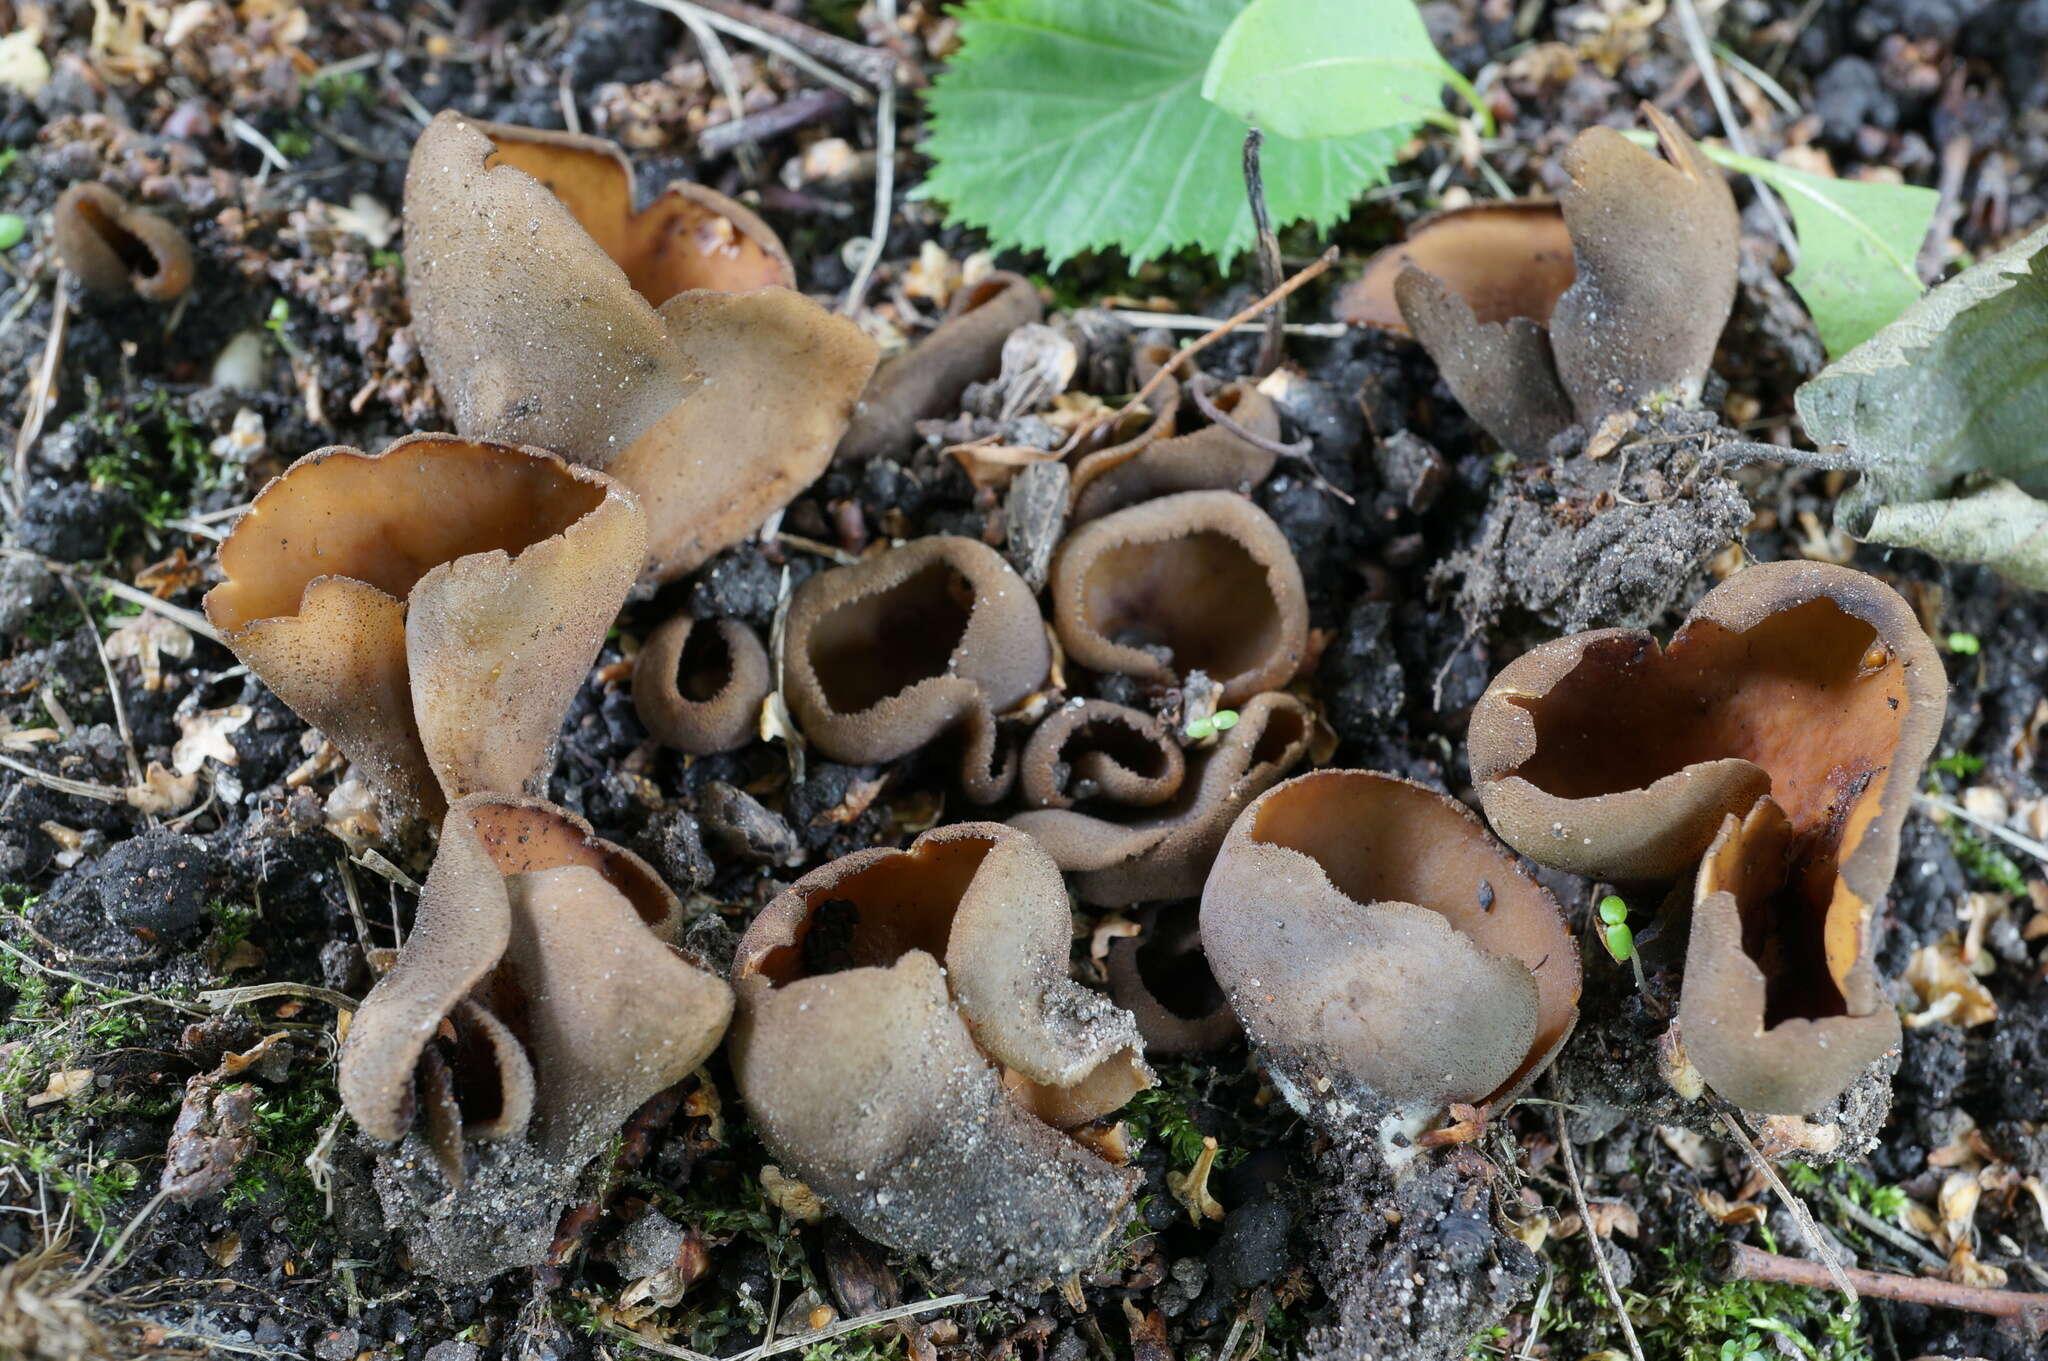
{"type": "Point", "coordinates": [698, 684]}
{"type": "Point", "coordinates": [928, 379]}
{"type": "Point", "coordinates": [665, 347]}
{"type": "Point", "coordinates": [1652, 282]}
{"type": "Point", "coordinates": [1200, 581]}
{"type": "Point", "coordinates": [1162, 978]}
{"type": "Point", "coordinates": [431, 608]}
{"type": "Point", "coordinates": [538, 1000]}
{"type": "Point", "coordinates": [118, 250]}
{"type": "Point", "coordinates": [1778, 735]}
{"type": "Point", "coordinates": [1167, 852]}
{"type": "Point", "coordinates": [1234, 453]}
{"type": "Point", "coordinates": [1386, 955]}
{"type": "Point", "coordinates": [937, 636]}
{"type": "Point", "coordinates": [910, 1045]}
{"type": "Point", "coordinates": [1504, 259]}
{"type": "Point", "coordinates": [1089, 749]}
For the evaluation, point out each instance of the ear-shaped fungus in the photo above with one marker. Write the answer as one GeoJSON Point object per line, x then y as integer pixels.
{"type": "Point", "coordinates": [1199, 581]}
{"type": "Point", "coordinates": [117, 249]}
{"type": "Point", "coordinates": [537, 999]}
{"type": "Point", "coordinates": [1652, 282]}
{"type": "Point", "coordinates": [1091, 749]}
{"type": "Point", "coordinates": [1232, 454]}
{"type": "Point", "coordinates": [928, 379]}
{"type": "Point", "coordinates": [698, 685]}
{"type": "Point", "coordinates": [1167, 853]}
{"type": "Point", "coordinates": [431, 608]}
{"type": "Point", "coordinates": [910, 1044]}
{"type": "Point", "coordinates": [1807, 686]}
{"type": "Point", "coordinates": [1162, 978]}
{"type": "Point", "coordinates": [1383, 951]}
{"type": "Point", "coordinates": [884, 656]}
{"type": "Point", "coordinates": [551, 314]}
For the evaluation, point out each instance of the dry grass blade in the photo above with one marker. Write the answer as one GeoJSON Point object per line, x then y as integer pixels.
{"type": "Point", "coordinates": [42, 1317]}
{"type": "Point", "coordinates": [1571, 1168]}
{"type": "Point", "coordinates": [41, 395]}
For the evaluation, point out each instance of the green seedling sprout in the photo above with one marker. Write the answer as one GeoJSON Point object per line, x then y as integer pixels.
{"type": "Point", "coordinates": [12, 230]}
{"type": "Point", "coordinates": [1964, 643]}
{"type": "Point", "coordinates": [1202, 729]}
{"type": "Point", "coordinates": [1616, 936]}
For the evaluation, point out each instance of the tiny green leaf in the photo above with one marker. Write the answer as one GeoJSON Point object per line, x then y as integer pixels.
{"type": "Point", "coordinates": [1201, 728]}
{"type": "Point", "coordinates": [1224, 720]}
{"type": "Point", "coordinates": [12, 229]}
{"type": "Point", "coordinates": [1328, 68]}
{"type": "Point", "coordinates": [1965, 643]}
{"type": "Point", "coordinates": [1066, 127]}
{"type": "Point", "coordinates": [1620, 942]}
{"type": "Point", "coordinates": [1613, 910]}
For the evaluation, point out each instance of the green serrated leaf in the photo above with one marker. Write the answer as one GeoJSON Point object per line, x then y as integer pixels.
{"type": "Point", "coordinates": [1328, 68]}
{"type": "Point", "coordinates": [1857, 244]}
{"type": "Point", "coordinates": [1065, 127]}
{"type": "Point", "coordinates": [1942, 412]}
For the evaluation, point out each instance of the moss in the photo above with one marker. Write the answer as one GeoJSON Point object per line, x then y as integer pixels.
{"type": "Point", "coordinates": [289, 1120]}
{"type": "Point", "coordinates": [154, 452]}
{"type": "Point", "coordinates": [1692, 1317]}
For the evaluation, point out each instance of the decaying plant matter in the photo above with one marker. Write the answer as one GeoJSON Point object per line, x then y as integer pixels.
{"type": "Point", "coordinates": [117, 249]}
{"type": "Point", "coordinates": [910, 1044]}
{"type": "Point", "coordinates": [557, 321]}
{"type": "Point", "coordinates": [1650, 289]}
{"type": "Point", "coordinates": [1384, 953]}
{"type": "Point", "coordinates": [935, 637]}
{"type": "Point", "coordinates": [1778, 735]}
{"type": "Point", "coordinates": [430, 608]}
{"type": "Point", "coordinates": [698, 684]}
{"type": "Point", "coordinates": [538, 1000]}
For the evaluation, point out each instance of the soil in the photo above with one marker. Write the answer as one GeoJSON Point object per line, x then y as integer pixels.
{"type": "Point", "coordinates": [277, 143]}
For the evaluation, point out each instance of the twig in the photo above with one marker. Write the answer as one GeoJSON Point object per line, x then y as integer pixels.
{"type": "Point", "coordinates": [796, 1340]}
{"type": "Point", "coordinates": [265, 148]}
{"type": "Point", "coordinates": [113, 687]}
{"type": "Point", "coordinates": [1271, 346]}
{"type": "Point", "coordinates": [2038, 850]}
{"type": "Point", "coordinates": [1741, 1262]}
{"type": "Point", "coordinates": [1898, 1238]}
{"type": "Point", "coordinates": [220, 999]}
{"type": "Point", "coordinates": [885, 182]}
{"type": "Point", "coordinates": [719, 62]}
{"type": "Point", "coordinates": [1298, 451]}
{"type": "Point", "coordinates": [1224, 328]}
{"type": "Point", "coordinates": [1710, 76]}
{"type": "Point", "coordinates": [1571, 1168]}
{"type": "Point", "coordinates": [769, 42]}
{"type": "Point", "coordinates": [870, 65]}
{"type": "Point", "coordinates": [1796, 1207]}
{"type": "Point", "coordinates": [41, 396]}
{"type": "Point", "coordinates": [70, 977]}
{"type": "Point", "coordinates": [190, 619]}
{"type": "Point", "coordinates": [92, 1278]}
{"type": "Point", "coordinates": [799, 110]}
{"type": "Point", "coordinates": [1181, 321]}
{"type": "Point", "coordinates": [78, 789]}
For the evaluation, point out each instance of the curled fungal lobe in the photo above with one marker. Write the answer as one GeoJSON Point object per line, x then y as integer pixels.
{"type": "Point", "coordinates": [117, 249]}
{"type": "Point", "coordinates": [940, 634]}
{"type": "Point", "coordinates": [698, 684]}
{"type": "Point", "coordinates": [551, 316]}
{"type": "Point", "coordinates": [910, 1043]}
{"type": "Point", "coordinates": [431, 608]}
{"type": "Point", "coordinates": [537, 997]}
{"type": "Point", "coordinates": [1233, 452]}
{"type": "Point", "coordinates": [1167, 852]}
{"type": "Point", "coordinates": [1385, 952]}
{"type": "Point", "coordinates": [1804, 684]}
{"type": "Point", "coordinates": [1200, 581]}
{"type": "Point", "coordinates": [1091, 749]}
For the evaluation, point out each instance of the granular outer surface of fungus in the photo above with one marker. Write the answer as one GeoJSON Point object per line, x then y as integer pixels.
{"type": "Point", "coordinates": [117, 249]}
{"type": "Point", "coordinates": [1233, 452]}
{"type": "Point", "coordinates": [664, 347]}
{"type": "Point", "coordinates": [1202, 580]}
{"type": "Point", "coordinates": [698, 684]}
{"type": "Point", "coordinates": [1385, 954]}
{"type": "Point", "coordinates": [910, 1044]}
{"type": "Point", "coordinates": [1090, 749]}
{"type": "Point", "coordinates": [430, 608]}
{"type": "Point", "coordinates": [1774, 743]}
{"type": "Point", "coordinates": [539, 1000]}
{"type": "Point", "coordinates": [1504, 260]}
{"type": "Point", "coordinates": [937, 636]}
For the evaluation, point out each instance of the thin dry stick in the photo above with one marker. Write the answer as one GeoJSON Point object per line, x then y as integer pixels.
{"type": "Point", "coordinates": [769, 42]}
{"type": "Point", "coordinates": [2006, 834]}
{"type": "Point", "coordinates": [220, 999]}
{"type": "Point", "coordinates": [92, 1278]}
{"type": "Point", "coordinates": [719, 61]}
{"type": "Point", "coordinates": [1271, 346]}
{"type": "Point", "coordinates": [1801, 1216]}
{"type": "Point", "coordinates": [190, 619]}
{"type": "Point", "coordinates": [1571, 1169]}
{"type": "Point", "coordinates": [793, 1342]}
{"type": "Point", "coordinates": [1898, 1238]}
{"type": "Point", "coordinates": [1741, 1262]}
{"type": "Point", "coordinates": [885, 183]}
{"type": "Point", "coordinates": [1710, 76]}
{"type": "Point", "coordinates": [869, 64]}
{"type": "Point", "coordinates": [113, 687]}
{"type": "Point", "coordinates": [78, 789]}
{"type": "Point", "coordinates": [41, 395]}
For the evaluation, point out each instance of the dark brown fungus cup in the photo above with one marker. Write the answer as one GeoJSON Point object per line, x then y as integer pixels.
{"type": "Point", "coordinates": [1504, 259]}
{"type": "Point", "coordinates": [909, 1043]}
{"type": "Point", "coordinates": [431, 608]}
{"type": "Point", "coordinates": [928, 378]}
{"type": "Point", "coordinates": [1234, 454]}
{"type": "Point", "coordinates": [1201, 580]}
{"type": "Point", "coordinates": [1385, 953]}
{"type": "Point", "coordinates": [698, 685]}
{"type": "Point", "coordinates": [1167, 853]}
{"type": "Point", "coordinates": [939, 635]}
{"type": "Point", "coordinates": [1162, 978]}
{"type": "Point", "coordinates": [1644, 299]}
{"type": "Point", "coordinates": [552, 316]}
{"type": "Point", "coordinates": [1090, 749]}
{"type": "Point", "coordinates": [117, 249]}
{"type": "Point", "coordinates": [1809, 687]}
{"type": "Point", "coordinates": [538, 997]}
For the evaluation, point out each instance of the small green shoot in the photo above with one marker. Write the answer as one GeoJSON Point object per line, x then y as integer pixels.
{"type": "Point", "coordinates": [1616, 935]}
{"type": "Point", "coordinates": [1964, 643]}
{"type": "Point", "coordinates": [1957, 765]}
{"type": "Point", "coordinates": [1224, 720]}
{"type": "Point", "coordinates": [12, 229]}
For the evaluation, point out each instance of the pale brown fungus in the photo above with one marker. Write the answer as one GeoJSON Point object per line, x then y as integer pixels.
{"type": "Point", "coordinates": [117, 249]}
{"type": "Point", "coordinates": [1235, 456]}
{"type": "Point", "coordinates": [698, 684]}
{"type": "Point", "coordinates": [1089, 749]}
{"type": "Point", "coordinates": [1505, 259]}
{"type": "Point", "coordinates": [1163, 979]}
